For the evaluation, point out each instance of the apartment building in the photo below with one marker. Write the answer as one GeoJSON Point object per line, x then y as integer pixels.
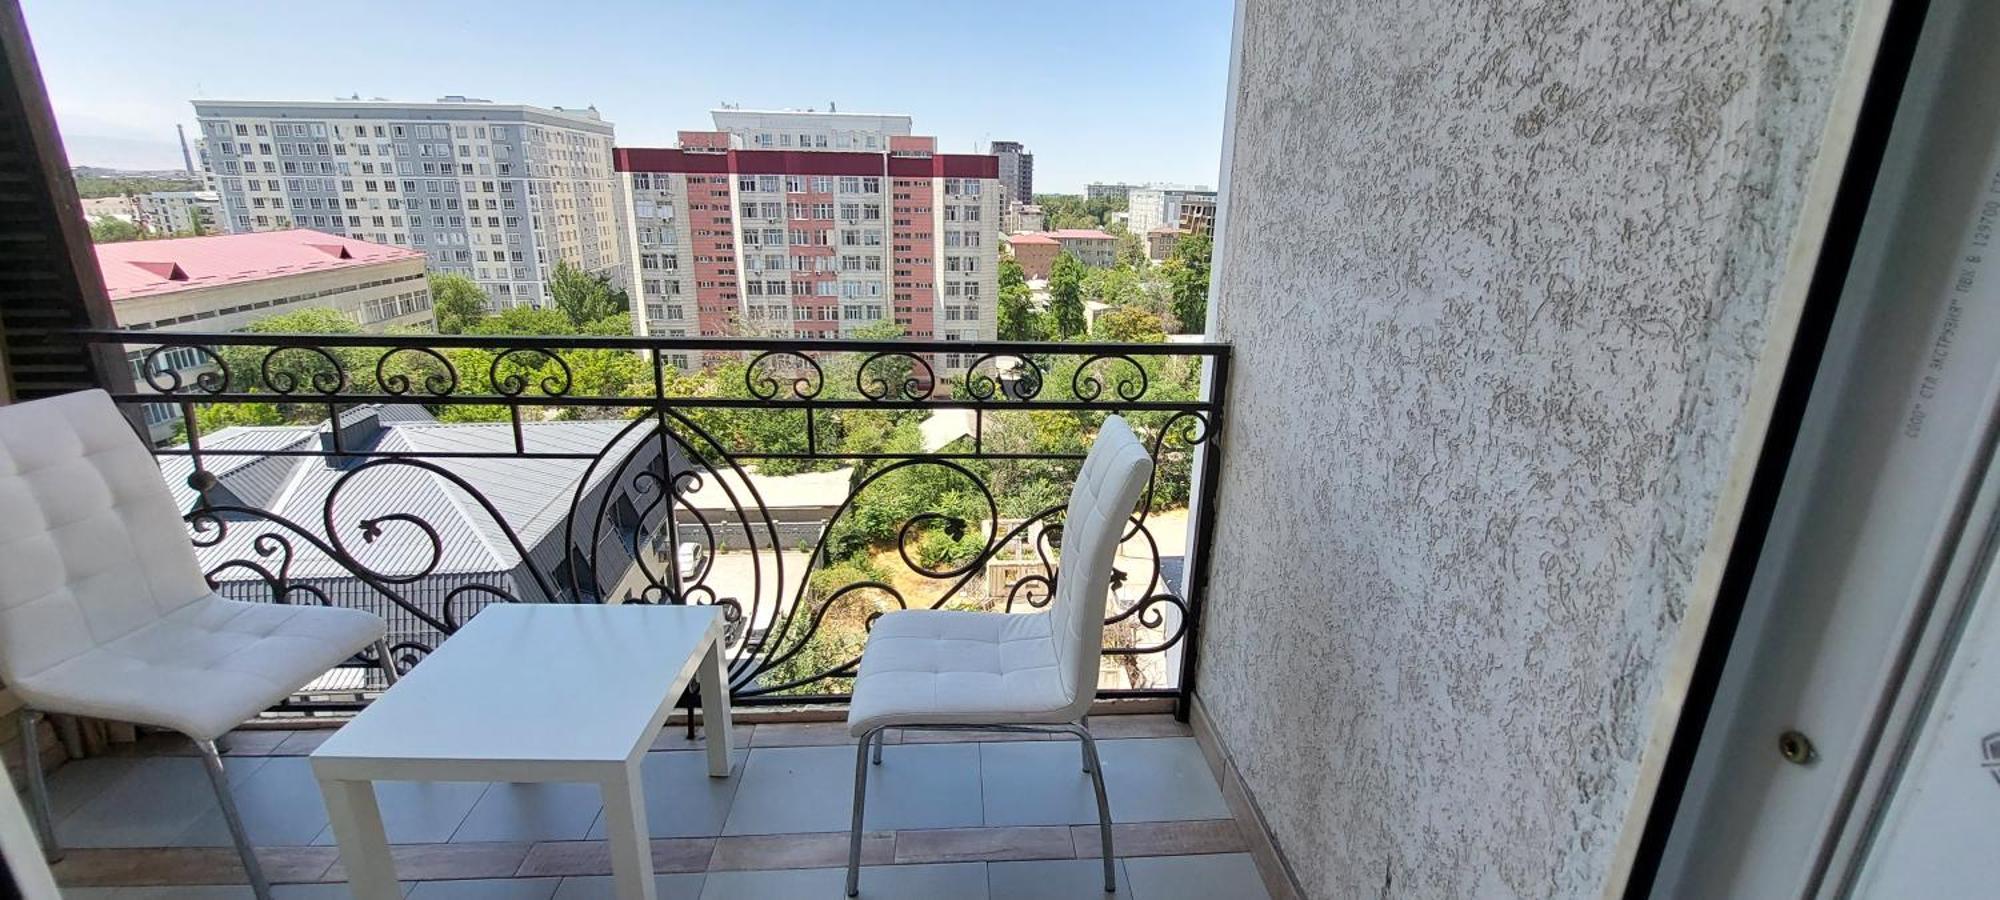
{"type": "Point", "coordinates": [1017, 171]}
{"type": "Point", "coordinates": [823, 243]}
{"type": "Point", "coordinates": [496, 192]}
{"type": "Point", "coordinates": [1154, 205]}
{"type": "Point", "coordinates": [1197, 214]}
{"type": "Point", "coordinates": [179, 212]}
{"type": "Point", "coordinates": [1099, 189]}
{"type": "Point", "coordinates": [226, 282]}
{"type": "Point", "coordinates": [121, 207]}
{"type": "Point", "coordinates": [766, 129]}
{"type": "Point", "coordinates": [1034, 251]}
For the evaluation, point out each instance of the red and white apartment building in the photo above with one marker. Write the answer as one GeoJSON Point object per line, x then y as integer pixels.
{"type": "Point", "coordinates": [812, 225]}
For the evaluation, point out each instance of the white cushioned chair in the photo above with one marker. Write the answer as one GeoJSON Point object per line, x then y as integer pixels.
{"type": "Point", "coordinates": [951, 669]}
{"type": "Point", "coordinates": [104, 611]}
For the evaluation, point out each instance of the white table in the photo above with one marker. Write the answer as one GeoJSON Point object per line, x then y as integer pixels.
{"type": "Point", "coordinates": [531, 693]}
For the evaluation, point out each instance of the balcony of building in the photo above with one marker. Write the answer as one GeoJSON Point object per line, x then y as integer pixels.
{"type": "Point", "coordinates": [1528, 327]}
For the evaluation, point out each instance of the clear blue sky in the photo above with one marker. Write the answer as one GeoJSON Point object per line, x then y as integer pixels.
{"type": "Point", "coordinates": [1099, 91]}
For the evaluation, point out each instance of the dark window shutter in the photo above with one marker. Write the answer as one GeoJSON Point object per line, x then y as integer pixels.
{"type": "Point", "coordinates": [49, 283]}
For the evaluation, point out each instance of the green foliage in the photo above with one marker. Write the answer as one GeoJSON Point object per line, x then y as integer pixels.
{"type": "Point", "coordinates": [1116, 286]}
{"type": "Point", "coordinates": [112, 230]}
{"type": "Point", "coordinates": [532, 320]}
{"type": "Point", "coordinates": [1131, 247]}
{"type": "Point", "coordinates": [1066, 276]}
{"type": "Point", "coordinates": [217, 416]}
{"type": "Point", "coordinates": [1186, 270]}
{"type": "Point", "coordinates": [457, 303]}
{"type": "Point", "coordinates": [93, 187]}
{"type": "Point", "coordinates": [1073, 211]}
{"type": "Point", "coordinates": [1127, 324]}
{"type": "Point", "coordinates": [584, 297]}
{"type": "Point", "coordinates": [1016, 321]}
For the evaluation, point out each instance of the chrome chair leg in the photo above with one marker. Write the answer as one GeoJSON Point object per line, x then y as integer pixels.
{"type": "Point", "coordinates": [1084, 723]}
{"type": "Point", "coordinates": [211, 758]}
{"type": "Point", "coordinates": [881, 737]}
{"type": "Point", "coordinates": [387, 664]}
{"type": "Point", "coordinates": [1095, 767]}
{"type": "Point", "coordinates": [38, 788]}
{"type": "Point", "coordinates": [860, 798]}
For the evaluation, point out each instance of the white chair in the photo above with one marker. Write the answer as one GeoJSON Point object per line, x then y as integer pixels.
{"type": "Point", "coordinates": [957, 670]}
{"type": "Point", "coordinates": [104, 611]}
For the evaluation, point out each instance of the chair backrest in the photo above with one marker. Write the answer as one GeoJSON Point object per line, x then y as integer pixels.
{"type": "Point", "coordinates": [91, 547]}
{"type": "Point", "coordinates": [1107, 488]}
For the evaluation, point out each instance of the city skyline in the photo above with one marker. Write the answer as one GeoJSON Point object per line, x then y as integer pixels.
{"type": "Point", "coordinates": [1096, 94]}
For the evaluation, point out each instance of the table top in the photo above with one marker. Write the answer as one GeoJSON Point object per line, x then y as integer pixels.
{"type": "Point", "coordinates": [537, 682]}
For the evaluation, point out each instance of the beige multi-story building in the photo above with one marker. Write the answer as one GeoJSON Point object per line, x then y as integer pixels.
{"type": "Point", "coordinates": [496, 192]}
{"type": "Point", "coordinates": [733, 239]}
{"type": "Point", "coordinates": [179, 212]}
{"type": "Point", "coordinates": [226, 282]}
{"type": "Point", "coordinates": [121, 207]}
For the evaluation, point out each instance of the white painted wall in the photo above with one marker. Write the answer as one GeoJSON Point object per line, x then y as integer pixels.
{"type": "Point", "coordinates": [1506, 283]}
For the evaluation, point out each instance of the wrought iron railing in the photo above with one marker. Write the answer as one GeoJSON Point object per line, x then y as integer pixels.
{"type": "Point", "coordinates": [802, 485]}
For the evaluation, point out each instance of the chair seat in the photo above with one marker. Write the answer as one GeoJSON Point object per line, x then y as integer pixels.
{"type": "Point", "coordinates": [204, 668]}
{"type": "Point", "coordinates": [950, 667]}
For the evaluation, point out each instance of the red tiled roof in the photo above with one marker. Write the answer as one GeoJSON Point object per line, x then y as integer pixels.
{"type": "Point", "coordinates": [147, 268]}
{"type": "Point", "coordinates": [1029, 237]}
{"type": "Point", "coordinates": [1080, 234]}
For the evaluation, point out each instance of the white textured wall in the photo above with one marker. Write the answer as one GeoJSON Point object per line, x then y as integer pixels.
{"type": "Point", "coordinates": [1497, 274]}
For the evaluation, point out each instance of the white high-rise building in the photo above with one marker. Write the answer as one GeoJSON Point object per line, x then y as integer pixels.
{"type": "Point", "coordinates": [770, 129]}
{"type": "Point", "coordinates": [1157, 205]}
{"type": "Point", "coordinates": [496, 192]}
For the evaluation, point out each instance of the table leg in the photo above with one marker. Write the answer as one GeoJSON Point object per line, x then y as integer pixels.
{"type": "Point", "coordinates": [364, 846]}
{"type": "Point", "coordinates": [625, 828]}
{"type": "Point", "coordinates": [715, 709]}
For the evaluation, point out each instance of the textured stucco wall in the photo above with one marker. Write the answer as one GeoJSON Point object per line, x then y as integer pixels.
{"type": "Point", "coordinates": [1498, 274]}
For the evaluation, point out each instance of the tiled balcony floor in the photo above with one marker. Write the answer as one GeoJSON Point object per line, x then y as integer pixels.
{"type": "Point", "coordinates": [949, 815]}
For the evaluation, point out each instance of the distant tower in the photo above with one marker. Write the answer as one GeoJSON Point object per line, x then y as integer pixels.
{"type": "Point", "coordinates": [187, 159]}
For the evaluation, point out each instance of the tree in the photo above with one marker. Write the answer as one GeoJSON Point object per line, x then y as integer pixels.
{"type": "Point", "coordinates": [1131, 247]}
{"type": "Point", "coordinates": [1066, 297]}
{"type": "Point", "coordinates": [1016, 313]}
{"type": "Point", "coordinates": [1116, 286]}
{"type": "Point", "coordinates": [112, 230]}
{"type": "Point", "coordinates": [457, 304]}
{"type": "Point", "coordinates": [1127, 324]}
{"type": "Point", "coordinates": [1073, 211]}
{"type": "Point", "coordinates": [1187, 277]}
{"type": "Point", "coordinates": [535, 320]}
{"type": "Point", "coordinates": [584, 297]}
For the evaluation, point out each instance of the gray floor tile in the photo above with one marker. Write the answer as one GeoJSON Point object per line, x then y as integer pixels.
{"type": "Point", "coordinates": [599, 887]}
{"type": "Point", "coordinates": [1158, 779]}
{"type": "Point", "coordinates": [782, 884]}
{"type": "Point", "coordinates": [1035, 783]}
{"type": "Point", "coordinates": [487, 889]}
{"type": "Point", "coordinates": [957, 881]}
{"type": "Point", "coordinates": [420, 812]}
{"type": "Point", "coordinates": [1053, 879]}
{"type": "Point", "coordinates": [79, 781]}
{"type": "Point", "coordinates": [532, 812]}
{"type": "Point", "coordinates": [681, 800]}
{"type": "Point", "coordinates": [184, 892]}
{"type": "Point", "coordinates": [793, 789]}
{"type": "Point", "coordinates": [922, 786]}
{"type": "Point", "coordinates": [335, 890]}
{"type": "Point", "coordinates": [151, 805]}
{"type": "Point", "coordinates": [807, 789]}
{"type": "Point", "coordinates": [280, 804]}
{"type": "Point", "coordinates": [1195, 877]}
